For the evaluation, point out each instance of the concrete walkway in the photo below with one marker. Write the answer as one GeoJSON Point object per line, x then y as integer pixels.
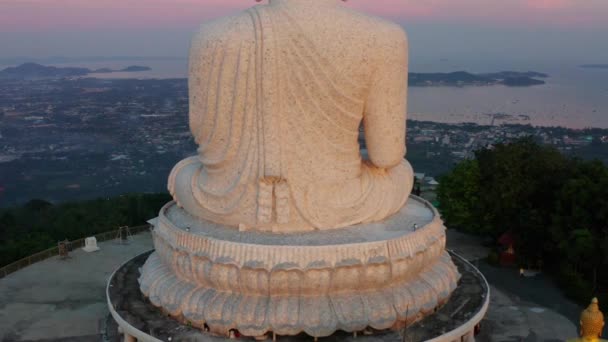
{"type": "Point", "coordinates": [521, 309]}
{"type": "Point", "coordinates": [64, 300]}
{"type": "Point", "coordinates": [511, 319]}
{"type": "Point", "coordinates": [56, 298]}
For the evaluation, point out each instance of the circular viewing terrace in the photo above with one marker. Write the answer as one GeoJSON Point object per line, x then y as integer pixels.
{"type": "Point", "coordinates": [456, 320]}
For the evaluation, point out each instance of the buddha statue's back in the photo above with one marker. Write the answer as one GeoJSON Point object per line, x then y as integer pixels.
{"type": "Point", "coordinates": [277, 96]}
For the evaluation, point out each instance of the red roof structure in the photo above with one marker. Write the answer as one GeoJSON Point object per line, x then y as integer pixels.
{"type": "Point", "coordinates": [506, 239]}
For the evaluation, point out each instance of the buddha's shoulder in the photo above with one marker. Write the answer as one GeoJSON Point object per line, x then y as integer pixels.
{"type": "Point", "coordinates": [225, 28]}
{"type": "Point", "coordinates": [373, 22]}
{"type": "Point", "coordinates": [379, 29]}
{"type": "Point", "coordinates": [389, 31]}
{"type": "Point", "coordinates": [239, 27]}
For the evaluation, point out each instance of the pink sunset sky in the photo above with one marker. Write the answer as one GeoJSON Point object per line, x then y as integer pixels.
{"type": "Point", "coordinates": [34, 15]}
{"type": "Point", "coordinates": [164, 27]}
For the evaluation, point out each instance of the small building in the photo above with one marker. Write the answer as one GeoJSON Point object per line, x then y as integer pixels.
{"type": "Point", "coordinates": [419, 176]}
{"type": "Point", "coordinates": [431, 182]}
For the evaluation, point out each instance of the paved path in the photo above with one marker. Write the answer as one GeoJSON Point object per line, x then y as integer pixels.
{"type": "Point", "coordinates": [521, 309]}
{"type": "Point", "coordinates": [468, 246]}
{"type": "Point", "coordinates": [58, 299]}
{"type": "Point", "coordinates": [511, 319]}
{"type": "Point", "coordinates": [63, 298]}
{"type": "Point", "coordinates": [540, 290]}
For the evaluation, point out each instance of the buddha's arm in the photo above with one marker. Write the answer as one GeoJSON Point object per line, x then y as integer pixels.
{"type": "Point", "coordinates": [385, 110]}
{"type": "Point", "coordinates": [195, 87]}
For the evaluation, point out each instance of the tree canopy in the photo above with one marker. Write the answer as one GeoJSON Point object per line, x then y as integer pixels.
{"type": "Point", "coordinates": [38, 224]}
{"type": "Point", "coordinates": [556, 206]}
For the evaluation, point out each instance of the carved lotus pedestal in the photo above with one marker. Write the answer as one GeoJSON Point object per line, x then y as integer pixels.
{"type": "Point", "coordinates": [374, 275]}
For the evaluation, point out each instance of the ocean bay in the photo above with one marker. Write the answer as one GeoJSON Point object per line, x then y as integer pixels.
{"type": "Point", "coordinates": [572, 97]}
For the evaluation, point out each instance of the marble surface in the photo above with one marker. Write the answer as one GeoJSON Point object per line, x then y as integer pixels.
{"type": "Point", "coordinates": [277, 95]}
{"type": "Point", "coordinates": [454, 321]}
{"type": "Point", "coordinates": [222, 279]}
{"type": "Point", "coordinates": [279, 224]}
{"type": "Point", "coordinates": [414, 215]}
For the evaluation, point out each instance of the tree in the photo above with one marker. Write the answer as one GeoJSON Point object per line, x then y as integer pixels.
{"type": "Point", "coordinates": [38, 224]}
{"type": "Point", "coordinates": [458, 195]}
{"type": "Point", "coordinates": [520, 183]}
{"type": "Point", "coordinates": [556, 206]}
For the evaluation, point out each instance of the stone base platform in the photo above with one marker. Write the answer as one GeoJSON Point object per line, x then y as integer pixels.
{"type": "Point", "coordinates": [140, 320]}
{"type": "Point", "coordinates": [379, 275]}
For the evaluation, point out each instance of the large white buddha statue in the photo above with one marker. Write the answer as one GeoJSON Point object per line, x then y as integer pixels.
{"type": "Point", "coordinates": [277, 96]}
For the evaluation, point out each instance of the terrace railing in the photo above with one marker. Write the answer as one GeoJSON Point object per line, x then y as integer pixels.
{"type": "Point", "coordinates": [34, 258]}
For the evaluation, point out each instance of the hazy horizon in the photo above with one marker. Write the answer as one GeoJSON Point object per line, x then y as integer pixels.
{"type": "Point", "coordinates": [552, 31]}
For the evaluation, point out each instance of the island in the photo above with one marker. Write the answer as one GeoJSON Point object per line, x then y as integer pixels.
{"type": "Point", "coordinates": [594, 66]}
{"type": "Point", "coordinates": [32, 71]}
{"type": "Point", "coordinates": [132, 68]}
{"type": "Point", "coordinates": [103, 71]}
{"type": "Point", "coordinates": [136, 68]}
{"type": "Point", "coordinates": [463, 78]}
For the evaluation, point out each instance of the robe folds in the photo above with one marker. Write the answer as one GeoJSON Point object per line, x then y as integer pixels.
{"type": "Point", "coordinates": [277, 124]}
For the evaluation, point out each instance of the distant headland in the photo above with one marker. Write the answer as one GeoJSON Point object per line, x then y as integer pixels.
{"type": "Point", "coordinates": [463, 78]}
{"type": "Point", "coordinates": [594, 66]}
{"type": "Point", "coordinates": [34, 71]}
{"type": "Point", "coordinates": [29, 71]}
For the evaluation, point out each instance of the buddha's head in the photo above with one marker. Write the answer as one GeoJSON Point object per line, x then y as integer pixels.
{"type": "Point", "coordinates": [592, 321]}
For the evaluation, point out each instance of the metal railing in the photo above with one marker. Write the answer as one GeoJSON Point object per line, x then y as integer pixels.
{"type": "Point", "coordinates": [47, 253]}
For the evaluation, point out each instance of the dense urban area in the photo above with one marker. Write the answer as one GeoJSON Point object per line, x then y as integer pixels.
{"type": "Point", "coordinates": [71, 139]}
{"type": "Point", "coordinates": [83, 156]}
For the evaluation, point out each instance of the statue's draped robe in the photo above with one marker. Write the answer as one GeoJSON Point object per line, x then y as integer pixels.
{"type": "Point", "coordinates": [277, 126]}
